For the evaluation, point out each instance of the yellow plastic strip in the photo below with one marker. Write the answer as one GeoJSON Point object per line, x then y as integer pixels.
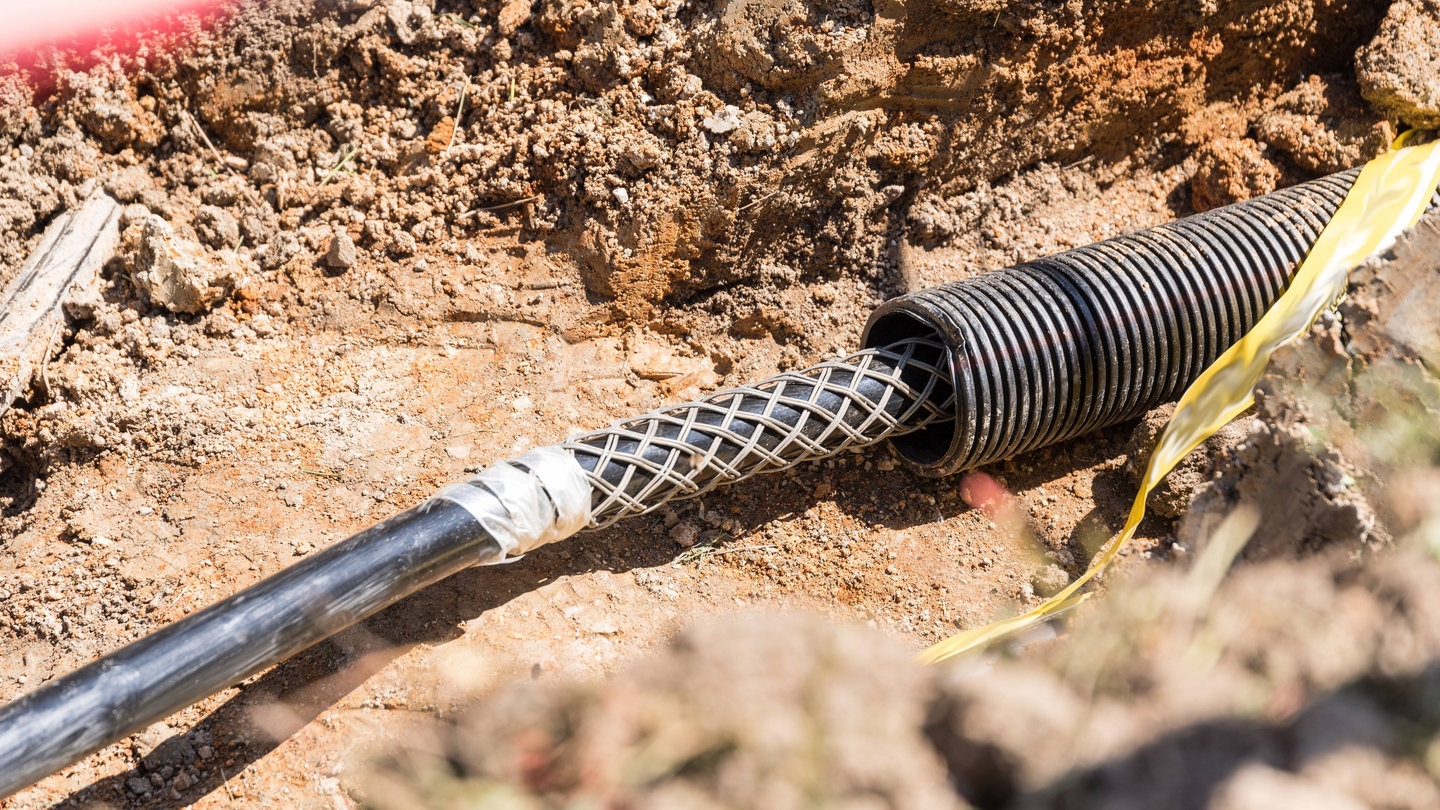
{"type": "Point", "coordinates": [1389, 196]}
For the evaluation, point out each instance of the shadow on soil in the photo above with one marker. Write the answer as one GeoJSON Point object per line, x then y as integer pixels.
{"type": "Point", "coordinates": [267, 711]}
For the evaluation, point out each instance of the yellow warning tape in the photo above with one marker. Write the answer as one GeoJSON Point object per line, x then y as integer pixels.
{"type": "Point", "coordinates": [1389, 196]}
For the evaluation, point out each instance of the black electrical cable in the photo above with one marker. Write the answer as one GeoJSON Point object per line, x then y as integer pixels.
{"type": "Point", "coordinates": [202, 654]}
{"type": "Point", "coordinates": [968, 373]}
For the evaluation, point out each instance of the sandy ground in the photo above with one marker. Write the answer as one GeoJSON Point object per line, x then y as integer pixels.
{"type": "Point", "coordinates": [427, 236]}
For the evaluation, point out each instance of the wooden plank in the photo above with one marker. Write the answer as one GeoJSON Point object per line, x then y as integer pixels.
{"type": "Point", "coordinates": [71, 252]}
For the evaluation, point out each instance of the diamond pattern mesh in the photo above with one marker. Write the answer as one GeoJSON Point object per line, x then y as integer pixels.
{"type": "Point", "coordinates": [686, 450]}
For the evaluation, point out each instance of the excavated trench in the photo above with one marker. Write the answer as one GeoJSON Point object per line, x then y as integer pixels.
{"type": "Point", "coordinates": [418, 237]}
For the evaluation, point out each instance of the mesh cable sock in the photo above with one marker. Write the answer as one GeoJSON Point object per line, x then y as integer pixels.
{"type": "Point", "coordinates": [685, 450]}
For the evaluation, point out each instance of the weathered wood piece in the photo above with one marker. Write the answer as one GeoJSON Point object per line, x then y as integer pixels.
{"type": "Point", "coordinates": [72, 251]}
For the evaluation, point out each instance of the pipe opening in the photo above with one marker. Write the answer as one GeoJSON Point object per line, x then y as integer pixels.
{"type": "Point", "coordinates": [928, 447]}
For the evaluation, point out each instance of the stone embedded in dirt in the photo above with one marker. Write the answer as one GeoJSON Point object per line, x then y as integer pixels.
{"type": "Point", "coordinates": [1231, 170]}
{"type": "Point", "coordinates": [181, 275]}
{"type": "Point", "coordinates": [341, 253]}
{"type": "Point", "coordinates": [685, 533]}
{"type": "Point", "coordinates": [402, 244]}
{"type": "Point", "coordinates": [409, 19]}
{"type": "Point", "coordinates": [146, 741]}
{"type": "Point", "coordinates": [1049, 580]}
{"type": "Point", "coordinates": [1399, 71]}
{"type": "Point", "coordinates": [726, 120]}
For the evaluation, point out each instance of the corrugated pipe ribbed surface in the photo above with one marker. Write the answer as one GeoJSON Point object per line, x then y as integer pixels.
{"type": "Point", "coordinates": [1055, 348]}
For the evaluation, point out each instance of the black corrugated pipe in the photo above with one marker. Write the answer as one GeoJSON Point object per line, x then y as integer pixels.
{"type": "Point", "coordinates": [969, 373]}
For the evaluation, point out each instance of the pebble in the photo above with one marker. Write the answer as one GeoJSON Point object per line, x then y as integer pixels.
{"type": "Point", "coordinates": [724, 121]}
{"type": "Point", "coordinates": [685, 534]}
{"type": "Point", "coordinates": [341, 255]}
{"type": "Point", "coordinates": [177, 274]}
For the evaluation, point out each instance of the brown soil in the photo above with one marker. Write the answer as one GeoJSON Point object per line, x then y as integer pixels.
{"type": "Point", "coordinates": [633, 203]}
{"type": "Point", "coordinates": [1303, 678]}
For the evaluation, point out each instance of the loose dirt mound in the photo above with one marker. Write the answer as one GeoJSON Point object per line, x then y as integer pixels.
{"type": "Point", "coordinates": [372, 245]}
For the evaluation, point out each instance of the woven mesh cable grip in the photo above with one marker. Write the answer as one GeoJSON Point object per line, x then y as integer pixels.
{"type": "Point", "coordinates": [685, 450]}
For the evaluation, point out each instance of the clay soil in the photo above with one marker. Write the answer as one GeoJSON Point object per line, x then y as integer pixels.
{"type": "Point", "coordinates": [440, 233]}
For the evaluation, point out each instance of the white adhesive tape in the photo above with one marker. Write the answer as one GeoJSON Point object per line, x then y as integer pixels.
{"type": "Point", "coordinates": [526, 502]}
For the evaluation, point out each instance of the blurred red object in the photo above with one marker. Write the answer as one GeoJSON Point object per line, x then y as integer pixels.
{"type": "Point", "coordinates": [65, 32]}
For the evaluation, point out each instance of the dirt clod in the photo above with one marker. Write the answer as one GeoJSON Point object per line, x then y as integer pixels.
{"type": "Point", "coordinates": [180, 275]}
{"type": "Point", "coordinates": [1399, 71]}
{"type": "Point", "coordinates": [1171, 499]}
{"type": "Point", "coordinates": [1231, 170]}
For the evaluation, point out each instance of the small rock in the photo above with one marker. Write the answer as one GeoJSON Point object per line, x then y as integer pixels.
{"type": "Point", "coordinates": [726, 120]}
{"type": "Point", "coordinates": [402, 244]}
{"type": "Point", "coordinates": [400, 12]}
{"type": "Point", "coordinates": [341, 253]}
{"type": "Point", "coordinates": [151, 738]}
{"type": "Point", "coordinates": [691, 384]}
{"type": "Point", "coordinates": [138, 785]}
{"type": "Point", "coordinates": [180, 275]}
{"type": "Point", "coordinates": [685, 534]}
{"type": "Point", "coordinates": [690, 87]}
{"type": "Point", "coordinates": [621, 195]}
{"type": "Point", "coordinates": [653, 360]}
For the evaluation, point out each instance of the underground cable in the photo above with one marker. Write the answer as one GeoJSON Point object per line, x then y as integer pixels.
{"type": "Point", "coordinates": [954, 377]}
